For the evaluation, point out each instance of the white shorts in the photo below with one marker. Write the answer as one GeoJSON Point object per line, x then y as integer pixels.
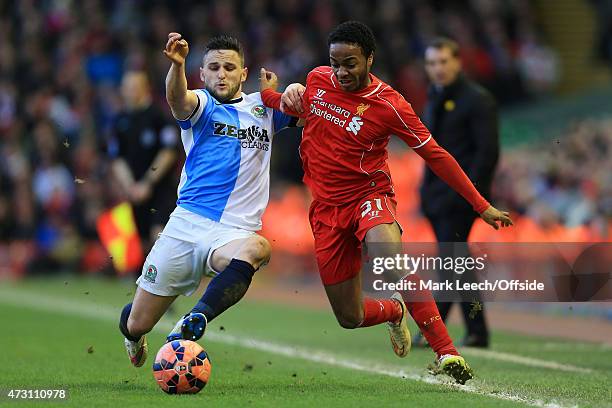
{"type": "Point", "coordinates": [181, 255]}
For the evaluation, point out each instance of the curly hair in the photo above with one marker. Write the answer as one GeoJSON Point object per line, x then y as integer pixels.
{"type": "Point", "coordinates": [354, 32]}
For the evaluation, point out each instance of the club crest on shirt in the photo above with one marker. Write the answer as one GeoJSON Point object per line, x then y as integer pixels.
{"type": "Point", "coordinates": [361, 108]}
{"type": "Point", "coordinates": [259, 111]}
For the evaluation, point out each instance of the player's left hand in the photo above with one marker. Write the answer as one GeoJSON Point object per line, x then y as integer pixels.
{"type": "Point", "coordinates": [267, 80]}
{"type": "Point", "coordinates": [140, 192]}
{"type": "Point", "coordinates": [491, 215]}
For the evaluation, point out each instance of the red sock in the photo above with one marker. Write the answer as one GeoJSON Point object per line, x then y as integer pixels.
{"type": "Point", "coordinates": [376, 311]}
{"type": "Point", "coordinates": [425, 314]}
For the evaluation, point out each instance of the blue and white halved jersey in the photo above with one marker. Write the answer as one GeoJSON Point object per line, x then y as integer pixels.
{"type": "Point", "coordinates": [226, 176]}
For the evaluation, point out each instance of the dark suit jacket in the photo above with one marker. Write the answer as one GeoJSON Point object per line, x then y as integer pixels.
{"type": "Point", "coordinates": [462, 117]}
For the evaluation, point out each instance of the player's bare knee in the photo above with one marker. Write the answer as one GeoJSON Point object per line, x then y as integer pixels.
{"type": "Point", "coordinates": [257, 251]}
{"type": "Point", "coordinates": [220, 261]}
{"type": "Point", "coordinates": [349, 320]}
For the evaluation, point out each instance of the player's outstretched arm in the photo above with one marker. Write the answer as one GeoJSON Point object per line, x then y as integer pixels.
{"type": "Point", "coordinates": [446, 167]}
{"type": "Point", "coordinates": [181, 100]}
{"type": "Point", "coordinates": [407, 125]}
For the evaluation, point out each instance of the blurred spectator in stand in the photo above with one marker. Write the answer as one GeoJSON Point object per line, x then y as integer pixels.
{"type": "Point", "coordinates": [144, 151]}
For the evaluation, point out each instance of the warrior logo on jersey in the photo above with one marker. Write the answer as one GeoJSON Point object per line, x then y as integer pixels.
{"type": "Point", "coordinates": [320, 93]}
{"type": "Point", "coordinates": [259, 111]}
{"type": "Point", "coordinates": [252, 137]}
{"type": "Point", "coordinates": [361, 108]}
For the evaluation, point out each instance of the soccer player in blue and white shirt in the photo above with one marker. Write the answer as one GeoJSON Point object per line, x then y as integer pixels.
{"type": "Point", "coordinates": [222, 195]}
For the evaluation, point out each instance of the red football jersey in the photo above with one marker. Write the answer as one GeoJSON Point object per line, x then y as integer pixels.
{"type": "Point", "coordinates": [345, 138]}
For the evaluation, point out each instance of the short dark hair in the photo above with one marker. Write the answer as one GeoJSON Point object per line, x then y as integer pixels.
{"type": "Point", "coordinates": [445, 42]}
{"type": "Point", "coordinates": [354, 32]}
{"type": "Point", "coordinates": [224, 42]}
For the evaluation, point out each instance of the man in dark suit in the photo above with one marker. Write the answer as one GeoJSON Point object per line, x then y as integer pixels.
{"type": "Point", "coordinates": [462, 116]}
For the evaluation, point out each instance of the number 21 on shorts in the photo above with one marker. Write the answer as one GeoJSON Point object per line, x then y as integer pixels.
{"type": "Point", "coordinates": [367, 208]}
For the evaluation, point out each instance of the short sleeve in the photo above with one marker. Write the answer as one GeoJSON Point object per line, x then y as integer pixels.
{"type": "Point", "coordinates": [197, 113]}
{"type": "Point", "coordinates": [281, 121]}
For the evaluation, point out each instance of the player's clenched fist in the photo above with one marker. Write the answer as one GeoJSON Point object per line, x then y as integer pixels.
{"type": "Point", "coordinates": [176, 48]}
{"type": "Point", "coordinates": [267, 80]}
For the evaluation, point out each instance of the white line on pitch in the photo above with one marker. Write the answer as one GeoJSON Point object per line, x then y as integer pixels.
{"type": "Point", "coordinates": [528, 361]}
{"type": "Point", "coordinates": [38, 301]}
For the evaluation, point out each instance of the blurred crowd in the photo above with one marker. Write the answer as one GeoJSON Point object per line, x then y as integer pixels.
{"type": "Point", "coordinates": [566, 181]}
{"type": "Point", "coordinates": [61, 62]}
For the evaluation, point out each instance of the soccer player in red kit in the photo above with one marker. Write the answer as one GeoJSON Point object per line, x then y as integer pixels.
{"type": "Point", "coordinates": [350, 115]}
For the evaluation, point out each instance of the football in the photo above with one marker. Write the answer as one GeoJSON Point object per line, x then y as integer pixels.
{"type": "Point", "coordinates": [181, 367]}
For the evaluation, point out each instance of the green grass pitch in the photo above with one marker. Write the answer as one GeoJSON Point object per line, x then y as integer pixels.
{"type": "Point", "coordinates": [62, 333]}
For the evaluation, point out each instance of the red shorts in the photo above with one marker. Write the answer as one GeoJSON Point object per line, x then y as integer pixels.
{"type": "Point", "coordinates": [339, 231]}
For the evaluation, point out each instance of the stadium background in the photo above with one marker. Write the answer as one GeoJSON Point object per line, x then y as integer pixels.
{"type": "Point", "coordinates": [548, 66]}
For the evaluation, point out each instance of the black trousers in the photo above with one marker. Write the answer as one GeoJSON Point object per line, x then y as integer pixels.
{"type": "Point", "coordinates": [455, 227]}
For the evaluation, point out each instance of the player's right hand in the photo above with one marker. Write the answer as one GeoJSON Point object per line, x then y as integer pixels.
{"type": "Point", "coordinates": [176, 48]}
{"type": "Point", "coordinates": [292, 98]}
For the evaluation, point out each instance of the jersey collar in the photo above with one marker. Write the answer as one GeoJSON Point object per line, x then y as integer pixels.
{"type": "Point", "coordinates": [375, 84]}
{"type": "Point", "coordinates": [231, 101]}
{"type": "Point", "coordinates": [237, 100]}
